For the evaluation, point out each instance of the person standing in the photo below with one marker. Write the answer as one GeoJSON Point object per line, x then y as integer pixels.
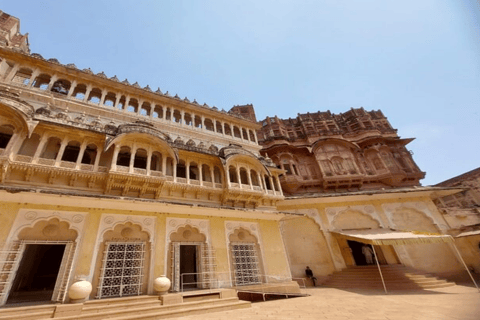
{"type": "Point", "coordinates": [309, 274]}
{"type": "Point", "coordinates": [368, 253]}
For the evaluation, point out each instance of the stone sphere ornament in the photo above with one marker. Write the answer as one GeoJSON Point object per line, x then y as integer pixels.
{"type": "Point", "coordinates": [80, 290]}
{"type": "Point", "coordinates": [162, 284]}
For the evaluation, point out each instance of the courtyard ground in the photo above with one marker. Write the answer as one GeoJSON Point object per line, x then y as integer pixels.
{"type": "Point", "coordinates": [453, 303]}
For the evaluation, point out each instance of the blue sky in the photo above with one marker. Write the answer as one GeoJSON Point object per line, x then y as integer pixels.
{"type": "Point", "coordinates": [417, 61]}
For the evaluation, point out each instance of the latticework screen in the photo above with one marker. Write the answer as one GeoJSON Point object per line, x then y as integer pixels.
{"type": "Point", "coordinates": [122, 271]}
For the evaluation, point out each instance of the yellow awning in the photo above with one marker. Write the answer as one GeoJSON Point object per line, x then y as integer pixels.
{"type": "Point", "coordinates": [391, 237]}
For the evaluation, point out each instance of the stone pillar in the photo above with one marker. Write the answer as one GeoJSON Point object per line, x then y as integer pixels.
{"type": "Point", "coordinates": [117, 100]}
{"type": "Point", "coordinates": [140, 104]}
{"type": "Point", "coordinates": [174, 170]}
{"type": "Point", "coordinates": [260, 182]}
{"type": "Point", "coordinates": [164, 113]}
{"type": "Point", "coordinates": [187, 171]}
{"type": "Point", "coordinates": [87, 93]}
{"type": "Point", "coordinates": [12, 73]}
{"type": "Point", "coordinates": [182, 117]}
{"type": "Point", "coordinates": [52, 81]}
{"type": "Point", "coordinates": [164, 165]}
{"type": "Point", "coordinates": [40, 147]}
{"type": "Point", "coordinates": [249, 177]}
{"type": "Point", "coordinates": [255, 135]}
{"type": "Point", "coordinates": [272, 185]}
{"type": "Point", "coordinates": [127, 101]}
{"type": "Point", "coordinates": [237, 169]}
{"type": "Point", "coordinates": [80, 155]}
{"type": "Point", "coordinates": [61, 151]}
{"type": "Point", "coordinates": [113, 166]}
{"type": "Point", "coordinates": [212, 176]}
{"type": "Point", "coordinates": [223, 128]}
{"type": "Point", "coordinates": [102, 99]}
{"type": "Point", "coordinates": [200, 173]}
{"type": "Point", "coordinates": [97, 159]}
{"type": "Point", "coordinates": [72, 88]}
{"type": "Point", "coordinates": [203, 122]}
{"type": "Point", "coordinates": [149, 160]}
{"type": "Point", "coordinates": [214, 125]}
{"type": "Point", "coordinates": [132, 159]}
{"type": "Point", "coordinates": [32, 78]}
{"type": "Point", "coordinates": [279, 186]}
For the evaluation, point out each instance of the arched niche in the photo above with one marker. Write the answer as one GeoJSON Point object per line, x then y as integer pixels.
{"type": "Point", "coordinates": [353, 219]}
{"type": "Point", "coordinates": [405, 218]}
{"type": "Point", "coordinates": [187, 234]}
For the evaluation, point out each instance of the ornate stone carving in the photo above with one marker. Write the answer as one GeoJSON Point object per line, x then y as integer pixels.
{"type": "Point", "coordinates": [173, 224]}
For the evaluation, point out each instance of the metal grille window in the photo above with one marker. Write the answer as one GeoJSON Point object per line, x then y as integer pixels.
{"type": "Point", "coordinates": [122, 271]}
{"type": "Point", "coordinates": [245, 262]}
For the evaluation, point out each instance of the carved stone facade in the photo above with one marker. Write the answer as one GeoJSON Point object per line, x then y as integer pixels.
{"type": "Point", "coordinates": [325, 152]}
{"type": "Point", "coordinates": [105, 178]}
{"type": "Point", "coordinates": [113, 184]}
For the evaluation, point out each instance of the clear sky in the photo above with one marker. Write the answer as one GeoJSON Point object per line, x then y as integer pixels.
{"type": "Point", "coordinates": [417, 61]}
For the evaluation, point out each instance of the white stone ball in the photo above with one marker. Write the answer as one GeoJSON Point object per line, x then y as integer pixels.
{"type": "Point", "coordinates": [80, 290]}
{"type": "Point", "coordinates": [161, 284]}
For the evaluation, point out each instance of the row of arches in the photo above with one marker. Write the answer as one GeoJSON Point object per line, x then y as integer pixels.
{"type": "Point", "coordinates": [131, 155]}
{"type": "Point", "coordinates": [124, 102]}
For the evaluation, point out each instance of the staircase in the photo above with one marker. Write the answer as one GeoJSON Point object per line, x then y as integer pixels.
{"type": "Point", "coordinates": [129, 308]}
{"type": "Point", "coordinates": [397, 277]}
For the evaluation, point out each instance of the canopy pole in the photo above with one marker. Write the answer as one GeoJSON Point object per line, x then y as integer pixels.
{"type": "Point", "coordinates": [465, 265]}
{"type": "Point", "coordinates": [379, 269]}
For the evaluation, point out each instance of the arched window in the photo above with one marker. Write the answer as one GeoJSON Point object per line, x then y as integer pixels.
{"type": "Point", "coordinates": [267, 182]}
{"type": "Point", "coordinates": [30, 145]}
{"type": "Point", "coordinates": [181, 169]}
{"type": "Point", "coordinates": [51, 148]}
{"type": "Point", "coordinates": [22, 76]}
{"type": "Point", "coordinates": [188, 119]}
{"type": "Point", "coordinates": [140, 159]}
{"type": "Point", "coordinates": [95, 96]}
{"type": "Point", "coordinates": [206, 173]}
{"type": "Point", "coordinates": [244, 134]}
{"type": "Point", "coordinates": [169, 168]}
{"type": "Point", "coordinates": [6, 133]}
{"type": "Point", "coordinates": [244, 176]}
{"type": "Point", "coordinates": [177, 117]}
{"type": "Point", "coordinates": [193, 171]}
{"type": "Point", "coordinates": [208, 124]}
{"type": "Point", "coordinates": [158, 112]}
{"type": "Point", "coordinates": [123, 158]}
{"type": "Point", "coordinates": [42, 81]}
{"type": "Point", "coordinates": [227, 130]}
{"type": "Point", "coordinates": [156, 162]}
{"type": "Point", "coordinates": [145, 109]}
{"type": "Point", "coordinates": [236, 132]}
{"type": "Point", "coordinates": [110, 99]}
{"type": "Point", "coordinates": [61, 86]}
{"type": "Point", "coordinates": [217, 175]}
{"type": "Point", "coordinates": [232, 174]}
{"type": "Point", "coordinates": [90, 154]}
{"type": "Point", "coordinates": [70, 154]}
{"type": "Point", "coordinates": [132, 105]}
{"type": "Point", "coordinates": [219, 127]}
{"type": "Point", "coordinates": [254, 178]}
{"type": "Point", "coordinates": [79, 92]}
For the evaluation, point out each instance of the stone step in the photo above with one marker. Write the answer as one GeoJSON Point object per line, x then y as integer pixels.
{"type": "Point", "coordinates": [134, 312]}
{"type": "Point", "coordinates": [395, 277]}
{"type": "Point", "coordinates": [187, 311]}
{"type": "Point", "coordinates": [97, 306]}
{"type": "Point", "coordinates": [27, 313]}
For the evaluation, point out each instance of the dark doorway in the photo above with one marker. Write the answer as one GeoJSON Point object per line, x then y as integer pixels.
{"type": "Point", "coordinates": [37, 273]}
{"type": "Point", "coordinates": [358, 256]}
{"type": "Point", "coordinates": [188, 265]}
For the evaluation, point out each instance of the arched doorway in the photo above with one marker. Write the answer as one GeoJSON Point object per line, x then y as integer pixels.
{"type": "Point", "coordinates": [41, 261]}
{"type": "Point", "coordinates": [191, 259]}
